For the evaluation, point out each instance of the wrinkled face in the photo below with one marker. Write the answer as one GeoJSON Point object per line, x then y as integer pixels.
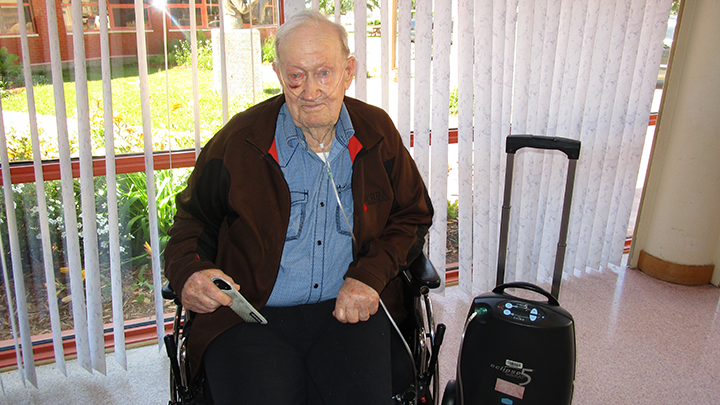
{"type": "Point", "coordinates": [314, 75]}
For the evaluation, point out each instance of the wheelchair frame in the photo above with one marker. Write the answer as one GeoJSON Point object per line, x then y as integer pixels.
{"type": "Point", "coordinates": [422, 342]}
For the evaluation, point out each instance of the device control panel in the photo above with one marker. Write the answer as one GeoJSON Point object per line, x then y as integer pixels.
{"type": "Point", "coordinates": [519, 311]}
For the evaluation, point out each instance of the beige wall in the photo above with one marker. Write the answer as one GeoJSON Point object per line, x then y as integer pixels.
{"type": "Point", "coordinates": [679, 219]}
{"type": "Point", "coordinates": [716, 275]}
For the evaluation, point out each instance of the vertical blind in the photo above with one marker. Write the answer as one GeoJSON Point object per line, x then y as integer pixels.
{"type": "Point", "coordinates": [582, 69]}
{"type": "Point", "coordinates": [585, 70]}
{"type": "Point", "coordinates": [84, 274]}
{"type": "Point", "coordinates": [578, 69]}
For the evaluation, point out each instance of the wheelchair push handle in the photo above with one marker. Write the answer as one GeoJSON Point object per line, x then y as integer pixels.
{"type": "Point", "coordinates": [437, 342]}
{"type": "Point", "coordinates": [421, 275]}
{"type": "Point", "coordinates": [570, 147]}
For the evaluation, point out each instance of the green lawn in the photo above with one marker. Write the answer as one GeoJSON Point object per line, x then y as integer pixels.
{"type": "Point", "coordinates": [126, 99]}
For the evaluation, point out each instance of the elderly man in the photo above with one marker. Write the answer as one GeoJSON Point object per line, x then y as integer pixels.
{"type": "Point", "coordinates": [309, 204]}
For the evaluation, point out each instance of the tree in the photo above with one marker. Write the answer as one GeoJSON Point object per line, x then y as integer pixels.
{"type": "Point", "coordinates": [327, 7]}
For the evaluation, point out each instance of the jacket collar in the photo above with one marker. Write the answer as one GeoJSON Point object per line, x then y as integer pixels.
{"type": "Point", "coordinates": [365, 130]}
{"type": "Point", "coordinates": [263, 131]}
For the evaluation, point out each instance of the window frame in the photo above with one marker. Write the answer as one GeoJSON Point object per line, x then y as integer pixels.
{"type": "Point", "coordinates": [208, 8]}
{"type": "Point", "coordinates": [94, 9]}
{"type": "Point", "coordinates": [114, 6]}
{"type": "Point", "coordinates": [93, 6]}
{"type": "Point", "coordinates": [9, 8]}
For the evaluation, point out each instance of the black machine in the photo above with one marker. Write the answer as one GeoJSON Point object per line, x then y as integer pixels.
{"type": "Point", "coordinates": [516, 350]}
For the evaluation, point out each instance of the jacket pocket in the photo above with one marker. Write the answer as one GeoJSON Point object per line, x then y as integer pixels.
{"type": "Point", "coordinates": [298, 206]}
{"type": "Point", "coordinates": [345, 192]}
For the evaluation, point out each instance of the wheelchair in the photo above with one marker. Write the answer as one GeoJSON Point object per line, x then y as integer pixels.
{"type": "Point", "coordinates": [415, 345]}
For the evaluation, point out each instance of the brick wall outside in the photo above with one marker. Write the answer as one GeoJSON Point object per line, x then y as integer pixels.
{"type": "Point", "coordinates": [122, 43]}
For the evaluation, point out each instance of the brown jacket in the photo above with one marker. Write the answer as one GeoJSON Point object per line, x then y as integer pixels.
{"type": "Point", "coordinates": [234, 213]}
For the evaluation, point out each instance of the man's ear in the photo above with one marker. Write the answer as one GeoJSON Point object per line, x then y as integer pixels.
{"type": "Point", "coordinates": [350, 66]}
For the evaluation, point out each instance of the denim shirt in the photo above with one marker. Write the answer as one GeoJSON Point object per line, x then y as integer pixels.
{"type": "Point", "coordinates": [318, 243]}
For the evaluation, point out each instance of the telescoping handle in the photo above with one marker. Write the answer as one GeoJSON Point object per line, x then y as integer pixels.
{"type": "Point", "coordinates": [570, 147]}
{"type": "Point", "coordinates": [527, 286]}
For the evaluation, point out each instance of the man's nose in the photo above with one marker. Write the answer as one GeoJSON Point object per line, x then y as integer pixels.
{"type": "Point", "coordinates": [311, 89]}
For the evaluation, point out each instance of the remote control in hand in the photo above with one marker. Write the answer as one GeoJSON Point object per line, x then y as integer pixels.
{"type": "Point", "coordinates": [240, 305]}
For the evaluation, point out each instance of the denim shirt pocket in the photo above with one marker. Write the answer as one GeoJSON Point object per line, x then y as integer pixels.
{"type": "Point", "coordinates": [345, 192]}
{"type": "Point", "coordinates": [298, 206]}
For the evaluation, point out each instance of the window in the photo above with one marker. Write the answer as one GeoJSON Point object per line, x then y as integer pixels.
{"type": "Point", "coordinates": [206, 13]}
{"type": "Point", "coordinates": [122, 13]}
{"type": "Point", "coordinates": [9, 17]}
{"type": "Point", "coordinates": [90, 13]}
{"type": "Point", "coordinates": [264, 13]}
{"type": "Point", "coordinates": [179, 12]}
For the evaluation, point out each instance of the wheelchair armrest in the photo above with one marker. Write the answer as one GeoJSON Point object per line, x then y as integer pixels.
{"type": "Point", "coordinates": [423, 274]}
{"type": "Point", "coordinates": [167, 292]}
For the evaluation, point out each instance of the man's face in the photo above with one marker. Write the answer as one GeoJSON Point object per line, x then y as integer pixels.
{"type": "Point", "coordinates": [314, 75]}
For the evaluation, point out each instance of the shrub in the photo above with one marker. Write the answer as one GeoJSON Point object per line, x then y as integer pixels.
{"type": "Point", "coordinates": [132, 194]}
{"type": "Point", "coordinates": [454, 102]}
{"type": "Point", "coordinates": [10, 71]}
{"type": "Point", "coordinates": [268, 50]}
{"type": "Point", "coordinates": [40, 79]}
{"type": "Point", "coordinates": [181, 53]}
{"type": "Point", "coordinates": [452, 209]}
{"type": "Point", "coordinates": [158, 61]}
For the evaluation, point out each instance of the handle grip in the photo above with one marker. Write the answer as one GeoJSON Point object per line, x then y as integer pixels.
{"type": "Point", "coordinates": [439, 336]}
{"type": "Point", "coordinates": [527, 286]}
{"type": "Point", "coordinates": [570, 147]}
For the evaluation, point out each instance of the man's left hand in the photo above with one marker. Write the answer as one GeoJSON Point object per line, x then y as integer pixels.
{"type": "Point", "coordinates": [355, 302]}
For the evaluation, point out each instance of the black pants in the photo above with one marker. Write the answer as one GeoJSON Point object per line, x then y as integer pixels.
{"type": "Point", "coordinates": [302, 356]}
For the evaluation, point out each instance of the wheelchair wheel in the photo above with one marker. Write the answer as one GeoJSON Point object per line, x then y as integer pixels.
{"type": "Point", "coordinates": [173, 391]}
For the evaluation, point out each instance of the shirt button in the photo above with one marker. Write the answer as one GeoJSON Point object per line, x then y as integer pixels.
{"type": "Point", "coordinates": [315, 285]}
{"type": "Point", "coordinates": [322, 204]}
{"type": "Point", "coordinates": [319, 242]}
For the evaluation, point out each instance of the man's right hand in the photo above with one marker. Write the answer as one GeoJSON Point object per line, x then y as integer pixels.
{"type": "Point", "coordinates": [201, 295]}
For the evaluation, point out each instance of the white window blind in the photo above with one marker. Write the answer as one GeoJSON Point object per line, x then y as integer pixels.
{"type": "Point", "coordinates": [579, 69]}
{"type": "Point", "coordinates": [84, 274]}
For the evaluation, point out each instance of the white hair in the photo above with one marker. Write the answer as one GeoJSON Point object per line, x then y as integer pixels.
{"type": "Point", "coordinates": [309, 18]}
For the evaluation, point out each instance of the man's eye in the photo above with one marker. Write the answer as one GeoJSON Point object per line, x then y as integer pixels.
{"type": "Point", "coordinates": [325, 73]}
{"type": "Point", "coordinates": [295, 76]}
